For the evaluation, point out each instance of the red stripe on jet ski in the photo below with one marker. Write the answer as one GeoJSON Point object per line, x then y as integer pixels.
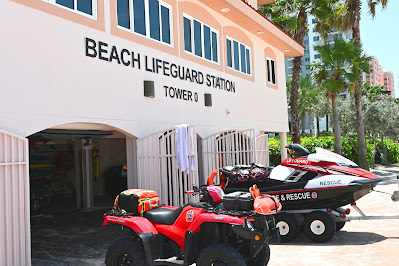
{"type": "Point", "coordinates": [303, 190]}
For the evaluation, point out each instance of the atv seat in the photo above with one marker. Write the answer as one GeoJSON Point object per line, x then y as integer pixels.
{"type": "Point", "coordinates": [163, 215]}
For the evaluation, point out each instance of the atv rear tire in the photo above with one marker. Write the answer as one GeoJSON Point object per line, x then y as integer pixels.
{"type": "Point", "coordinates": [125, 251]}
{"type": "Point", "coordinates": [319, 226]}
{"type": "Point", "coordinates": [263, 257]}
{"type": "Point", "coordinates": [288, 226]}
{"type": "Point", "coordinates": [220, 254]}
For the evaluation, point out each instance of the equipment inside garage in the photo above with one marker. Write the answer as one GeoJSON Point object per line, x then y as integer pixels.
{"type": "Point", "coordinates": [75, 169]}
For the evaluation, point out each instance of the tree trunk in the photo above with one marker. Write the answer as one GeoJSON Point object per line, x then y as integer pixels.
{"type": "Point", "coordinates": [296, 73]}
{"type": "Point", "coordinates": [318, 126]}
{"type": "Point", "coordinates": [384, 154]}
{"type": "Point", "coordinates": [361, 136]}
{"type": "Point", "coordinates": [311, 123]}
{"type": "Point", "coordinates": [374, 153]}
{"type": "Point", "coordinates": [327, 123]}
{"type": "Point", "coordinates": [337, 129]}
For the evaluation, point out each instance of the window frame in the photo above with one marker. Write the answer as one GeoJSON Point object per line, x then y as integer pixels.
{"type": "Point", "coordinates": [75, 10]}
{"type": "Point", "coordinates": [147, 22]}
{"type": "Point", "coordinates": [268, 59]}
{"type": "Point", "coordinates": [212, 29]}
{"type": "Point", "coordinates": [239, 56]}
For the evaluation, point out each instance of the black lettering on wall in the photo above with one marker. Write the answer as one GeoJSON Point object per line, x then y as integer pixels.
{"type": "Point", "coordinates": [124, 51]}
{"type": "Point", "coordinates": [91, 46]}
{"type": "Point", "coordinates": [114, 55]}
{"type": "Point", "coordinates": [102, 51]}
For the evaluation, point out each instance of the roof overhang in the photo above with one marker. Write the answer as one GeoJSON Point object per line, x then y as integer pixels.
{"type": "Point", "coordinates": [250, 19]}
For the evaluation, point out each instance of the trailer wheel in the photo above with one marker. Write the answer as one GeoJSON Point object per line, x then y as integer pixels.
{"type": "Point", "coordinates": [339, 226]}
{"type": "Point", "coordinates": [288, 226]}
{"type": "Point", "coordinates": [319, 226]}
{"type": "Point", "coordinates": [125, 251]}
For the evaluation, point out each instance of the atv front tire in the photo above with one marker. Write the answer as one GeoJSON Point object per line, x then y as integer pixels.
{"type": "Point", "coordinates": [263, 257]}
{"type": "Point", "coordinates": [125, 251]}
{"type": "Point", "coordinates": [220, 254]}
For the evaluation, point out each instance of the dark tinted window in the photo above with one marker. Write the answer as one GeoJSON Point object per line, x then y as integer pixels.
{"type": "Point", "coordinates": [85, 6]}
{"type": "Point", "coordinates": [273, 72]}
{"type": "Point", "coordinates": [214, 47]}
{"type": "Point", "coordinates": [197, 38]}
{"type": "Point", "coordinates": [187, 34]}
{"type": "Point", "coordinates": [154, 20]}
{"type": "Point", "coordinates": [139, 16]}
{"type": "Point", "coordinates": [165, 24]}
{"type": "Point", "coordinates": [122, 7]}
{"type": "Point", "coordinates": [268, 71]}
{"type": "Point", "coordinates": [243, 60]}
{"type": "Point", "coordinates": [229, 57]}
{"type": "Point", "coordinates": [207, 42]}
{"type": "Point", "coordinates": [236, 56]}
{"type": "Point", "coordinates": [248, 62]}
{"type": "Point", "coordinates": [66, 3]}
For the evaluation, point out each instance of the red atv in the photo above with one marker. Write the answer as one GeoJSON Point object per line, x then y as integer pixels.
{"type": "Point", "coordinates": [218, 230]}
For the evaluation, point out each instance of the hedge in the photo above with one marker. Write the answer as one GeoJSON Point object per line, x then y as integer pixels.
{"type": "Point", "coordinates": [327, 142]}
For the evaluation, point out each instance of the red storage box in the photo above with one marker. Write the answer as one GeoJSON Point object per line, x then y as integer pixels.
{"type": "Point", "coordinates": [137, 201]}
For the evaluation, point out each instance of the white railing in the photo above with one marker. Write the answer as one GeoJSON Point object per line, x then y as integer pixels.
{"type": "Point", "coordinates": [262, 149]}
{"type": "Point", "coordinates": [14, 197]}
{"type": "Point", "coordinates": [156, 159]}
{"type": "Point", "coordinates": [230, 147]}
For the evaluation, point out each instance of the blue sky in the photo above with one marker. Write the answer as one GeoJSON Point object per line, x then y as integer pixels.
{"type": "Point", "coordinates": [380, 37]}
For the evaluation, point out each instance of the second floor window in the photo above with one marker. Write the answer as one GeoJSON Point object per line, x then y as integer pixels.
{"type": "Point", "coordinates": [200, 39]}
{"type": "Point", "coordinates": [271, 71]}
{"type": "Point", "coordinates": [238, 56]}
{"type": "Point", "coordinates": [150, 18]}
{"type": "Point", "coordinates": [83, 7]}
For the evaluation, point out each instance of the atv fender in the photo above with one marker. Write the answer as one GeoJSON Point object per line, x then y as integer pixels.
{"type": "Point", "coordinates": [214, 218]}
{"type": "Point", "coordinates": [145, 231]}
{"type": "Point", "coordinates": [136, 223]}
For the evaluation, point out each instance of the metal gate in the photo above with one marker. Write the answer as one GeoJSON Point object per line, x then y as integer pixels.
{"type": "Point", "coordinates": [231, 147]}
{"type": "Point", "coordinates": [262, 149]}
{"type": "Point", "coordinates": [156, 159]}
{"type": "Point", "coordinates": [14, 198]}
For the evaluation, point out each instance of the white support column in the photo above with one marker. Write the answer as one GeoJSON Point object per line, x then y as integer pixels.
{"type": "Point", "coordinates": [131, 152]}
{"type": "Point", "coordinates": [87, 174]}
{"type": "Point", "coordinates": [77, 147]}
{"type": "Point", "coordinates": [283, 143]}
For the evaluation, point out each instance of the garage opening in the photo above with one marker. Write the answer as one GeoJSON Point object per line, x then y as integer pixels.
{"type": "Point", "coordinates": [75, 173]}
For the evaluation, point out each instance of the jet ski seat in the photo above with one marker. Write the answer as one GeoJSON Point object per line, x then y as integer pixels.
{"type": "Point", "coordinates": [298, 150]}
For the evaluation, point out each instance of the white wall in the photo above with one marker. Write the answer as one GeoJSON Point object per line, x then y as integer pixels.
{"type": "Point", "coordinates": [46, 80]}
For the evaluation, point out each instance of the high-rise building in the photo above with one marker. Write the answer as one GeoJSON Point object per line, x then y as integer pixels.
{"type": "Point", "coordinates": [312, 39]}
{"type": "Point", "coordinates": [378, 77]}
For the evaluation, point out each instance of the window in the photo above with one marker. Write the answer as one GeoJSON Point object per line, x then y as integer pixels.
{"type": "Point", "coordinates": [307, 59]}
{"type": "Point", "coordinates": [316, 38]}
{"type": "Point", "coordinates": [238, 56]}
{"type": "Point", "coordinates": [150, 18]}
{"type": "Point", "coordinates": [271, 71]}
{"type": "Point", "coordinates": [316, 56]}
{"type": "Point", "coordinates": [314, 20]}
{"type": "Point", "coordinates": [306, 51]}
{"type": "Point", "coordinates": [307, 67]}
{"type": "Point", "coordinates": [83, 7]}
{"type": "Point", "coordinates": [200, 39]}
{"type": "Point", "coordinates": [306, 42]}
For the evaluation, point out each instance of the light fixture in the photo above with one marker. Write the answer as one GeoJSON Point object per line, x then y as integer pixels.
{"type": "Point", "coordinates": [149, 90]}
{"type": "Point", "coordinates": [260, 32]}
{"type": "Point", "coordinates": [208, 99]}
{"type": "Point", "coordinates": [226, 9]}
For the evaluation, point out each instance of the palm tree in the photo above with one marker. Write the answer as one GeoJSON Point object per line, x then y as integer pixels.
{"type": "Point", "coordinates": [332, 70]}
{"type": "Point", "coordinates": [291, 16]}
{"type": "Point", "coordinates": [350, 20]}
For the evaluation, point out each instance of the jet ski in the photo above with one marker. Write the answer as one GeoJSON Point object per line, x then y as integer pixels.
{"type": "Point", "coordinates": [322, 180]}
